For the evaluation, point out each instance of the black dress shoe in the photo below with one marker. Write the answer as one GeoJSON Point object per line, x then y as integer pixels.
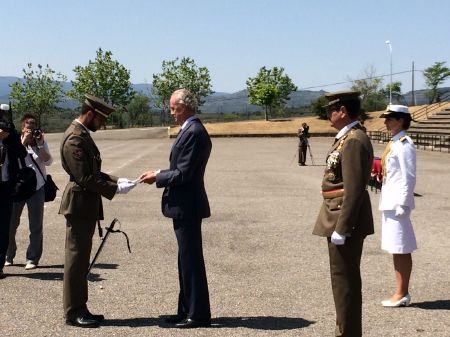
{"type": "Point", "coordinates": [190, 324]}
{"type": "Point", "coordinates": [95, 317]}
{"type": "Point", "coordinates": [173, 319]}
{"type": "Point", "coordinates": [83, 322]}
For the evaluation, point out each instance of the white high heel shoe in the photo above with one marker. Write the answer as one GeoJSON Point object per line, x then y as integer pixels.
{"type": "Point", "coordinates": [403, 302]}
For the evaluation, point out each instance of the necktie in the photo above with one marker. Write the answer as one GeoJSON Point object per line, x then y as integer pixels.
{"type": "Point", "coordinates": [383, 158]}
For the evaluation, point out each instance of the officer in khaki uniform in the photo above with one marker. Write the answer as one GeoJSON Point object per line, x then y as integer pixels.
{"type": "Point", "coordinates": [81, 205]}
{"type": "Point", "coordinates": [345, 217]}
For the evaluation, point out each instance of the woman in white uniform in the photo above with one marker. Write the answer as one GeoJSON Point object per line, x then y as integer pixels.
{"type": "Point", "coordinates": [397, 201]}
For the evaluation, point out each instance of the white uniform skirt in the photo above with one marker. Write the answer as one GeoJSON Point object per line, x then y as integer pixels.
{"type": "Point", "coordinates": [397, 235]}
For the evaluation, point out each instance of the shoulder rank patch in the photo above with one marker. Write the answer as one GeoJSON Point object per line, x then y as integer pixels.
{"type": "Point", "coordinates": [402, 139]}
{"type": "Point", "coordinates": [78, 153]}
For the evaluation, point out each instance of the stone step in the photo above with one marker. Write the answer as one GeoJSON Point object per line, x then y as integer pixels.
{"type": "Point", "coordinates": [439, 117]}
{"type": "Point", "coordinates": [440, 132]}
{"type": "Point", "coordinates": [428, 124]}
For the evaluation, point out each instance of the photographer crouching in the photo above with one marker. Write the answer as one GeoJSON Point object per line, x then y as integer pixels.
{"type": "Point", "coordinates": [38, 158]}
{"type": "Point", "coordinates": [11, 150]}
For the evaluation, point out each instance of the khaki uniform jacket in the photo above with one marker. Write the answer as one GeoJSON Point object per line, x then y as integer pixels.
{"type": "Point", "coordinates": [349, 163]}
{"type": "Point", "coordinates": [80, 158]}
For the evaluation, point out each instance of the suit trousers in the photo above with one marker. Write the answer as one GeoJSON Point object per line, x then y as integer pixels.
{"type": "Point", "coordinates": [193, 299]}
{"type": "Point", "coordinates": [346, 285]}
{"type": "Point", "coordinates": [79, 232]}
{"type": "Point", "coordinates": [35, 205]}
{"type": "Point", "coordinates": [5, 219]}
{"type": "Point", "coordinates": [302, 148]}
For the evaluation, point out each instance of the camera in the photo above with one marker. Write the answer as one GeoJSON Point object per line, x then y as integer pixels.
{"type": "Point", "coordinates": [37, 133]}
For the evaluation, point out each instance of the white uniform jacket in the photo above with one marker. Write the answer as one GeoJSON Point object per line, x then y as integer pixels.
{"type": "Point", "coordinates": [398, 185]}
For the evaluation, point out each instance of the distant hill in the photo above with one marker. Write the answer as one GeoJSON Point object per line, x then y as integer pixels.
{"type": "Point", "coordinates": [218, 102]}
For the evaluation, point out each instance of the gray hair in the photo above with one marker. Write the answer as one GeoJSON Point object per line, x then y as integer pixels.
{"type": "Point", "coordinates": [187, 98]}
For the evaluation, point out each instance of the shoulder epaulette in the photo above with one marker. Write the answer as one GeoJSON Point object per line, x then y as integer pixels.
{"type": "Point", "coordinates": [402, 139]}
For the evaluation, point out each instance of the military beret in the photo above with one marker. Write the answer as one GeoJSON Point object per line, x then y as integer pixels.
{"type": "Point", "coordinates": [98, 105]}
{"type": "Point", "coordinates": [341, 96]}
{"type": "Point", "coordinates": [396, 111]}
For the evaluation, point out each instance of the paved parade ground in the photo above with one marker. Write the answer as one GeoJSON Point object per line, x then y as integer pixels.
{"type": "Point", "coordinates": [268, 275]}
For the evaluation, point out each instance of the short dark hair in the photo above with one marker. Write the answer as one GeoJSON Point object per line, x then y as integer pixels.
{"type": "Point", "coordinates": [353, 108]}
{"type": "Point", "coordinates": [85, 108]}
{"type": "Point", "coordinates": [406, 123]}
{"type": "Point", "coordinates": [28, 116]}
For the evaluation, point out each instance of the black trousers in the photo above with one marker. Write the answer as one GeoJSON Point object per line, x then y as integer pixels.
{"type": "Point", "coordinates": [5, 219]}
{"type": "Point", "coordinates": [193, 299]}
{"type": "Point", "coordinates": [346, 285]}
{"type": "Point", "coordinates": [302, 148]}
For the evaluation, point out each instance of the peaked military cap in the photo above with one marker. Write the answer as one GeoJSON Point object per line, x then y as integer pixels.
{"type": "Point", "coordinates": [98, 105]}
{"type": "Point", "coordinates": [341, 96]}
{"type": "Point", "coordinates": [396, 111]}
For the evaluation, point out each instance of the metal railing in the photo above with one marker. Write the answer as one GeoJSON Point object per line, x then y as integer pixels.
{"type": "Point", "coordinates": [424, 111]}
{"type": "Point", "coordinates": [423, 141]}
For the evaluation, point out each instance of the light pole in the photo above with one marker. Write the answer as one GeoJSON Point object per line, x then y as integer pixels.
{"type": "Point", "coordinates": [390, 85]}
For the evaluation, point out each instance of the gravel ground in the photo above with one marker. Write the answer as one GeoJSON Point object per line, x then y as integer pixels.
{"type": "Point", "coordinates": [268, 275]}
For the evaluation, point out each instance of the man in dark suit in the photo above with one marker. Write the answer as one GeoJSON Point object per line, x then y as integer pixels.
{"type": "Point", "coordinates": [345, 217]}
{"type": "Point", "coordinates": [185, 201]}
{"type": "Point", "coordinates": [81, 204]}
{"type": "Point", "coordinates": [11, 150]}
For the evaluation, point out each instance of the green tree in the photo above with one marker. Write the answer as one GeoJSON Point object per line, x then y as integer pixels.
{"type": "Point", "coordinates": [39, 92]}
{"type": "Point", "coordinates": [435, 75]}
{"type": "Point", "coordinates": [105, 78]}
{"type": "Point", "coordinates": [370, 88]}
{"type": "Point", "coordinates": [139, 110]}
{"type": "Point", "coordinates": [270, 89]}
{"type": "Point", "coordinates": [177, 74]}
{"type": "Point", "coordinates": [396, 91]}
{"type": "Point", "coordinates": [318, 107]}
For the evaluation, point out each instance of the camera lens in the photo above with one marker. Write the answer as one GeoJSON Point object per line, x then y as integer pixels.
{"type": "Point", "coordinates": [36, 133]}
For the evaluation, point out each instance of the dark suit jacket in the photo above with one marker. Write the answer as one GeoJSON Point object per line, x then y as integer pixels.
{"type": "Point", "coordinates": [352, 212]}
{"type": "Point", "coordinates": [80, 158]}
{"type": "Point", "coordinates": [15, 151]}
{"type": "Point", "coordinates": [184, 196]}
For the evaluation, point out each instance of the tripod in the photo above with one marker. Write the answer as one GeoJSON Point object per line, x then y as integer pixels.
{"type": "Point", "coordinates": [310, 153]}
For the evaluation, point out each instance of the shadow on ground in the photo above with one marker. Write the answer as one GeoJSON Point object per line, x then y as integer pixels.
{"type": "Point", "coordinates": [132, 322]}
{"type": "Point", "coordinates": [261, 322]}
{"type": "Point", "coordinates": [257, 323]}
{"type": "Point", "coordinates": [433, 305]}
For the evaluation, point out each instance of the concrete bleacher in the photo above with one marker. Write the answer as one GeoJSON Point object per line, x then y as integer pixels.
{"type": "Point", "coordinates": [429, 131]}
{"type": "Point", "coordinates": [438, 123]}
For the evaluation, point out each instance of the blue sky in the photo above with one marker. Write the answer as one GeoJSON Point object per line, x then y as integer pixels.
{"type": "Point", "coordinates": [317, 42]}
